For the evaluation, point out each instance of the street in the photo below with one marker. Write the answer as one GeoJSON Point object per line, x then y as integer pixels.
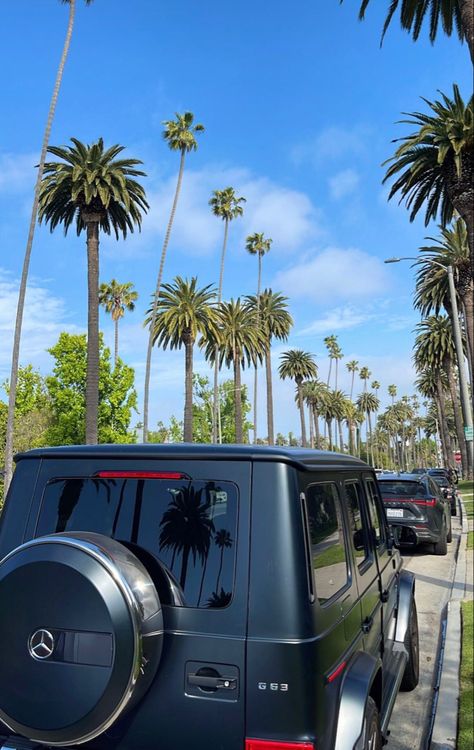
{"type": "Point", "coordinates": [434, 577]}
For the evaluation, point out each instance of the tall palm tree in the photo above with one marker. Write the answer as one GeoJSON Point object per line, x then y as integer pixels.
{"type": "Point", "coordinates": [330, 342]}
{"type": "Point", "coordinates": [180, 135]}
{"type": "Point", "coordinates": [236, 341]}
{"type": "Point", "coordinates": [184, 311]}
{"type": "Point", "coordinates": [187, 528]}
{"type": "Point", "coordinates": [227, 206]}
{"type": "Point", "coordinates": [339, 408]}
{"type": "Point", "coordinates": [368, 403]}
{"type": "Point", "coordinates": [434, 347]}
{"type": "Point", "coordinates": [115, 299]}
{"type": "Point", "coordinates": [96, 191]}
{"type": "Point", "coordinates": [275, 323]}
{"type": "Point", "coordinates": [432, 383]}
{"type": "Point", "coordinates": [375, 385]}
{"type": "Point", "coordinates": [364, 374]}
{"type": "Point", "coordinates": [257, 244]}
{"type": "Point", "coordinates": [434, 166]}
{"type": "Point", "coordinates": [352, 367]}
{"type": "Point", "coordinates": [29, 245]}
{"type": "Point", "coordinates": [392, 392]}
{"type": "Point", "coordinates": [298, 365]}
{"type": "Point", "coordinates": [432, 286]}
{"type": "Point", "coordinates": [452, 14]}
{"type": "Point", "coordinates": [315, 394]}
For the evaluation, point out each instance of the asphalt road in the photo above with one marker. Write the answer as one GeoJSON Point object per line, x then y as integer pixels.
{"type": "Point", "coordinates": [434, 577]}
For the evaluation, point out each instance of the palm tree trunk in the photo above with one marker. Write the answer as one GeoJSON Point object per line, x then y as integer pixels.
{"type": "Point", "coordinates": [369, 420]}
{"type": "Point", "coordinates": [467, 16]}
{"type": "Point", "coordinates": [26, 260]}
{"type": "Point", "coordinates": [238, 400]}
{"type": "Point", "coordinates": [352, 384]}
{"type": "Point", "coordinates": [311, 430]}
{"type": "Point", "coordinates": [468, 311]}
{"type": "Point", "coordinates": [255, 380]}
{"type": "Point", "coordinates": [188, 403]}
{"type": "Point", "coordinates": [92, 378]}
{"type": "Point", "coordinates": [302, 420]}
{"type": "Point", "coordinates": [458, 420]}
{"type": "Point", "coordinates": [316, 429]}
{"type": "Point", "coordinates": [329, 424]}
{"type": "Point", "coordinates": [268, 368]}
{"type": "Point", "coordinates": [215, 409]}
{"type": "Point", "coordinates": [443, 429]}
{"type": "Point", "coordinates": [116, 342]}
{"type": "Point", "coordinates": [341, 439]}
{"type": "Point", "coordinates": [146, 392]}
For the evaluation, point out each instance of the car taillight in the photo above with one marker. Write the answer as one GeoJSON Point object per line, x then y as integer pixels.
{"type": "Point", "coordinates": [276, 745]}
{"type": "Point", "coordinates": [424, 502]}
{"type": "Point", "coordinates": [413, 500]}
{"type": "Point", "coordinates": [141, 475]}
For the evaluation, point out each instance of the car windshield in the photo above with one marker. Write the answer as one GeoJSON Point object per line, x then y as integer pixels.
{"type": "Point", "coordinates": [398, 488]}
{"type": "Point", "coordinates": [442, 481]}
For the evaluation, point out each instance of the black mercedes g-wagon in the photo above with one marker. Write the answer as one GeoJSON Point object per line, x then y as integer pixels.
{"type": "Point", "coordinates": [186, 597]}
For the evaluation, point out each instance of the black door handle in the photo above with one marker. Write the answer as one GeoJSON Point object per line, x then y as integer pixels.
{"type": "Point", "coordinates": [367, 624]}
{"type": "Point", "coordinates": [212, 683]}
{"type": "Point", "coordinates": [384, 596]}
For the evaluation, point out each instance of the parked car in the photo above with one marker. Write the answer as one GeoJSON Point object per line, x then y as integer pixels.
{"type": "Point", "coordinates": [174, 597]}
{"type": "Point", "coordinates": [417, 510]}
{"type": "Point", "coordinates": [447, 487]}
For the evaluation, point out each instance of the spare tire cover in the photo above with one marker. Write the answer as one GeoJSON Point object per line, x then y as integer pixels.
{"type": "Point", "coordinates": [81, 634]}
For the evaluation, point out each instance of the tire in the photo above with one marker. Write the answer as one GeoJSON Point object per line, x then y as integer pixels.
{"type": "Point", "coordinates": [454, 507]}
{"type": "Point", "coordinates": [411, 674]}
{"type": "Point", "coordinates": [449, 536]}
{"type": "Point", "coordinates": [372, 737]}
{"type": "Point", "coordinates": [441, 546]}
{"type": "Point", "coordinates": [80, 617]}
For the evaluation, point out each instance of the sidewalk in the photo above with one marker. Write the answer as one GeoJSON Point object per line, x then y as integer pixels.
{"type": "Point", "coordinates": [446, 718]}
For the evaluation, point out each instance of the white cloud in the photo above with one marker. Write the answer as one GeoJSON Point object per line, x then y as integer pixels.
{"type": "Point", "coordinates": [338, 319]}
{"type": "Point", "coordinates": [45, 316]}
{"type": "Point", "coordinates": [332, 143]}
{"type": "Point", "coordinates": [17, 172]}
{"type": "Point", "coordinates": [334, 274]}
{"type": "Point", "coordinates": [287, 216]}
{"type": "Point", "coordinates": [343, 183]}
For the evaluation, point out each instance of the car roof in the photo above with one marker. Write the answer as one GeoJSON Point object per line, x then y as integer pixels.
{"type": "Point", "coordinates": [302, 458]}
{"type": "Point", "coordinates": [402, 477]}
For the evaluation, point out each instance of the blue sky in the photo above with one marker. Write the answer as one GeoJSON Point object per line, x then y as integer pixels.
{"type": "Point", "coordinates": [300, 107]}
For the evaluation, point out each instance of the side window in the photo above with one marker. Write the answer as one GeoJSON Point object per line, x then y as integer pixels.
{"type": "Point", "coordinates": [359, 531]}
{"type": "Point", "coordinates": [375, 512]}
{"type": "Point", "coordinates": [328, 544]}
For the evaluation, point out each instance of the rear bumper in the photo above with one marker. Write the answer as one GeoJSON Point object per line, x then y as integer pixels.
{"type": "Point", "coordinates": [411, 533]}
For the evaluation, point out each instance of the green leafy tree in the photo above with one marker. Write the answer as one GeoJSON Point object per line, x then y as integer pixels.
{"type": "Point", "coordinates": [257, 244]}
{"type": "Point", "coordinates": [275, 323]}
{"type": "Point", "coordinates": [451, 14]}
{"type": "Point", "coordinates": [180, 135]}
{"type": "Point", "coordinates": [29, 246]}
{"type": "Point", "coordinates": [298, 366]}
{"type": "Point", "coordinates": [434, 166]}
{"type": "Point", "coordinates": [184, 311]}
{"type": "Point", "coordinates": [96, 191]}
{"type": "Point", "coordinates": [116, 299]}
{"type": "Point", "coordinates": [226, 205]}
{"type": "Point", "coordinates": [67, 386]}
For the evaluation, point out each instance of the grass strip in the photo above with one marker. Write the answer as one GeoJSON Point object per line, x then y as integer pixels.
{"type": "Point", "coordinates": [466, 698]}
{"type": "Point", "coordinates": [470, 541]}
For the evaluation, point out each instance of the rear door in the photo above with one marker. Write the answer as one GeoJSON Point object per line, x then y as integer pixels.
{"type": "Point", "coordinates": [190, 518]}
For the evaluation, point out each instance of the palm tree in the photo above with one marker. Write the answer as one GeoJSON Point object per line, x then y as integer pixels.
{"type": "Point", "coordinates": [434, 347]}
{"type": "Point", "coordinates": [315, 394]}
{"type": "Point", "coordinates": [223, 540]}
{"type": "Point", "coordinates": [275, 323]}
{"type": "Point", "coordinates": [392, 392]}
{"type": "Point", "coordinates": [435, 164]}
{"type": "Point", "coordinates": [96, 191]}
{"type": "Point", "coordinates": [368, 403]}
{"type": "Point", "coordinates": [364, 374]}
{"type": "Point", "coordinates": [298, 365]}
{"type": "Point", "coordinates": [433, 383]}
{"type": "Point", "coordinates": [432, 286]}
{"type": "Point", "coordinates": [330, 342]}
{"type": "Point", "coordinates": [227, 206]}
{"type": "Point", "coordinates": [339, 409]}
{"type": "Point", "coordinates": [256, 244]}
{"type": "Point", "coordinates": [352, 367]}
{"type": "Point", "coordinates": [455, 14]}
{"type": "Point", "coordinates": [29, 245]}
{"type": "Point", "coordinates": [180, 136]}
{"type": "Point", "coordinates": [236, 341]}
{"type": "Point", "coordinates": [115, 299]}
{"type": "Point", "coordinates": [186, 528]}
{"type": "Point", "coordinates": [184, 311]}
{"type": "Point", "coordinates": [376, 387]}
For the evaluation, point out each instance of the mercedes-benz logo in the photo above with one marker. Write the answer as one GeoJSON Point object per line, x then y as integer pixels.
{"type": "Point", "coordinates": [41, 644]}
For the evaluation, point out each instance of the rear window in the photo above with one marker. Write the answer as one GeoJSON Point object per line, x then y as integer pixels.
{"type": "Point", "coordinates": [402, 489]}
{"type": "Point", "coordinates": [188, 526]}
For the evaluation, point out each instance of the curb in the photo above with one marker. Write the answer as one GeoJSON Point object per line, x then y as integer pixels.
{"type": "Point", "coordinates": [444, 735]}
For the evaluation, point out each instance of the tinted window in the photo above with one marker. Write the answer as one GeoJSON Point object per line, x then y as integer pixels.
{"type": "Point", "coordinates": [328, 547]}
{"type": "Point", "coordinates": [190, 527]}
{"type": "Point", "coordinates": [354, 505]}
{"type": "Point", "coordinates": [402, 489]}
{"type": "Point", "coordinates": [375, 512]}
